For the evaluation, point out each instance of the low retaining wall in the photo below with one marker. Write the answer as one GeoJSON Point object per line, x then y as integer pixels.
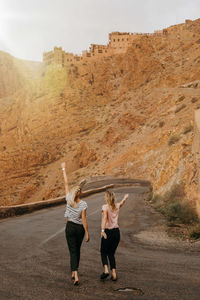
{"type": "Point", "coordinates": [10, 211]}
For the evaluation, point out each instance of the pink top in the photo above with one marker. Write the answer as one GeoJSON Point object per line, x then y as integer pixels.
{"type": "Point", "coordinates": [112, 220]}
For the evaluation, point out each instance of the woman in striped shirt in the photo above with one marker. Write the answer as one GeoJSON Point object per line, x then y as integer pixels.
{"type": "Point", "coordinates": [76, 226]}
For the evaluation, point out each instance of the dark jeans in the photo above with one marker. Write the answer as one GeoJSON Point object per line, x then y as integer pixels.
{"type": "Point", "coordinates": [74, 235]}
{"type": "Point", "coordinates": [109, 246]}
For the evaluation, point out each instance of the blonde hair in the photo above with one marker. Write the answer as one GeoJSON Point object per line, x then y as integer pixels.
{"type": "Point", "coordinates": [110, 199]}
{"type": "Point", "coordinates": [73, 195]}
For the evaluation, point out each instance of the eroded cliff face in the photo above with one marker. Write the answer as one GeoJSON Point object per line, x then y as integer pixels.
{"type": "Point", "coordinates": [128, 115]}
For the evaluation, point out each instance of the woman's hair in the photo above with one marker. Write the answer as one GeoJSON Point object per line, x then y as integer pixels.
{"type": "Point", "coordinates": [111, 200]}
{"type": "Point", "coordinates": [73, 195]}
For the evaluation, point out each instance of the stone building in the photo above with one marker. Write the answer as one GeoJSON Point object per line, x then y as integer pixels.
{"type": "Point", "coordinates": [59, 56]}
{"type": "Point", "coordinates": [118, 43]}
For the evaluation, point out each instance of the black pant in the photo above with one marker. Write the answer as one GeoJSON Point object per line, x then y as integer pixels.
{"type": "Point", "coordinates": [74, 235]}
{"type": "Point", "coordinates": [109, 246]}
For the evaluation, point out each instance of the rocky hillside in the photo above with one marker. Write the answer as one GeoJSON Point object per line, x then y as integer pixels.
{"type": "Point", "coordinates": [130, 115]}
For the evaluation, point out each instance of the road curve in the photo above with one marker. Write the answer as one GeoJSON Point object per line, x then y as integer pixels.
{"type": "Point", "coordinates": [34, 257]}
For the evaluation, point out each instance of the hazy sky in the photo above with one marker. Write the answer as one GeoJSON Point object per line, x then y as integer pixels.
{"type": "Point", "coordinates": [29, 27]}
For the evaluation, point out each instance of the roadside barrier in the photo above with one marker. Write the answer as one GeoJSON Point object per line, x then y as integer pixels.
{"type": "Point", "coordinates": [10, 211]}
{"type": "Point", "coordinates": [17, 210]}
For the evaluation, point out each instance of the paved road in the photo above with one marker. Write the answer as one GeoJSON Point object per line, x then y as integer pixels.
{"type": "Point", "coordinates": [34, 260]}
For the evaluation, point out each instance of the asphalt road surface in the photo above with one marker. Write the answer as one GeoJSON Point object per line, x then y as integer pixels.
{"type": "Point", "coordinates": [34, 260]}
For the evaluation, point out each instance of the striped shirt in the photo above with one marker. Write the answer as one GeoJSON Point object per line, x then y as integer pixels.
{"type": "Point", "coordinates": [74, 214]}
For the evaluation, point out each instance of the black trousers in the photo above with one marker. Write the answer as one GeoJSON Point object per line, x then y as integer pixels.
{"type": "Point", "coordinates": [109, 246]}
{"type": "Point", "coordinates": [74, 235]}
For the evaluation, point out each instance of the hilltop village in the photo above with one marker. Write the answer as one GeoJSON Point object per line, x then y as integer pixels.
{"type": "Point", "coordinates": [118, 43]}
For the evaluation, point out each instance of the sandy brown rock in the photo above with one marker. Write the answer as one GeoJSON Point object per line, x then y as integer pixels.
{"type": "Point", "coordinates": [126, 115]}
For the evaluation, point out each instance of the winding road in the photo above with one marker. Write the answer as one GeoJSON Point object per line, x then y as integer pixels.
{"type": "Point", "coordinates": [34, 260]}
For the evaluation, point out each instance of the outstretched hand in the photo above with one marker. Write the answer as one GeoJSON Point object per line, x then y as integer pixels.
{"type": "Point", "coordinates": [63, 165]}
{"type": "Point", "coordinates": [126, 197]}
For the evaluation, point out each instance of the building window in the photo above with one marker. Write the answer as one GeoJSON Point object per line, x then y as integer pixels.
{"type": "Point", "coordinates": [114, 40]}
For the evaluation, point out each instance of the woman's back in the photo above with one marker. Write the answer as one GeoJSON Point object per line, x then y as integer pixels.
{"type": "Point", "coordinates": [74, 213]}
{"type": "Point", "coordinates": [112, 216]}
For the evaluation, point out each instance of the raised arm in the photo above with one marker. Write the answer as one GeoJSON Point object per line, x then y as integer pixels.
{"type": "Point", "coordinates": [85, 225]}
{"type": "Point", "coordinates": [123, 200]}
{"type": "Point", "coordinates": [65, 178]}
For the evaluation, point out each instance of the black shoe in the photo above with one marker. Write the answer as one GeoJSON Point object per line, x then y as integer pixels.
{"type": "Point", "coordinates": [104, 275]}
{"type": "Point", "coordinates": [76, 283]}
{"type": "Point", "coordinates": [113, 279]}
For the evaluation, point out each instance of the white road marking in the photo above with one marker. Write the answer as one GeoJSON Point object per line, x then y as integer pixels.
{"type": "Point", "coordinates": [52, 236]}
{"type": "Point", "coordinates": [62, 229]}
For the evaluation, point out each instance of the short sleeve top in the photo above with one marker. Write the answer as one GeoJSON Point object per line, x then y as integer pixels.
{"type": "Point", "coordinates": [112, 216]}
{"type": "Point", "coordinates": [74, 214]}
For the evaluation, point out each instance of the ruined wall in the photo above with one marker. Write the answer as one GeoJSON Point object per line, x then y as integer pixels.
{"type": "Point", "coordinates": [196, 151]}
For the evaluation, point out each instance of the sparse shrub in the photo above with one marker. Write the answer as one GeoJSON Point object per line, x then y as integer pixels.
{"type": "Point", "coordinates": [194, 99]}
{"type": "Point", "coordinates": [195, 232]}
{"type": "Point", "coordinates": [150, 196]}
{"type": "Point", "coordinates": [181, 98]}
{"type": "Point", "coordinates": [173, 139]}
{"type": "Point", "coordinates": [187, 129]}
{"type": "Point", "coordinates": [174, 205]}
{"type": "Point", "coordinates": [161, 124]}
{"type": "Point", "coordinates": [181, 212]}
{"type": "Point", "coordinates": [179, 108]}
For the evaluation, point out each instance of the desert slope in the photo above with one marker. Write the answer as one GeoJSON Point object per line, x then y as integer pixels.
{"type": "Point", "coordinates": [130, 115]}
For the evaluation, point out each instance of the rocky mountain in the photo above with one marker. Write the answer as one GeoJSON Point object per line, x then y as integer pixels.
{"type": "Point", "coordinates": [129, 115]}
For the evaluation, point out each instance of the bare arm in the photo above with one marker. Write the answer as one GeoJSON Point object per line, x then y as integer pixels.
{"type": "Point", "coordinates": [103, 223]}
{"type": "Point", "coordinates": [85, 225]}
{"type": "Point", "coordinates": [123, 200]}
{"type": "Point", "coordinates": [65, 178]}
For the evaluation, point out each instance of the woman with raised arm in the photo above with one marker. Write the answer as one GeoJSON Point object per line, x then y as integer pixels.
{"type": "Point", "coordinates": [76, 226]}
{"type": "Point", "coordinates": [110, 233]}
